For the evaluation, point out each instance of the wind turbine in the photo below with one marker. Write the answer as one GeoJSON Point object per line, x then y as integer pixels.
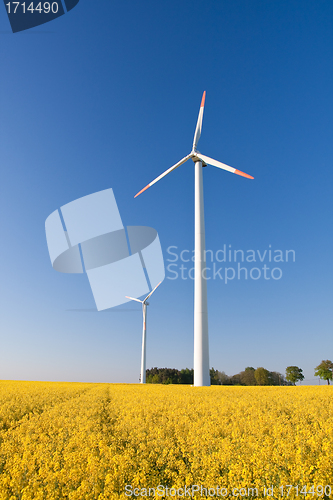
{"type": "Point", "coordinates": [144, 330]}
{"type": "Point", "coordinates": [201, 351]}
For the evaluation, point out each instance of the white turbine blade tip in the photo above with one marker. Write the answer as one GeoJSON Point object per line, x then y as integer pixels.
{"type": "Point", "coordinates": [142, 190]}
{"type": "Point", "coordinates": [132, 298]}
{"type": "Point", "coordinates": [152, 291]}
{"type": "Point", "coordinates": [198, 128]}
{"type": "Point", "coordinates": [183, 160]}
{"type": "Point", "coordinates": [243, 174]}
{"type": "Point", "coordinates": [203, 100]}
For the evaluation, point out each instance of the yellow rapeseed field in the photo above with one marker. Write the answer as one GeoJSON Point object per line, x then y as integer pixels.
{"type": "Point", "coordinates": [91, 441]}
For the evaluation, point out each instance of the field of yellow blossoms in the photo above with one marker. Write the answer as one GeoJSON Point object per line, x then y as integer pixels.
{"type": "Point", "coordinates": [90, 441]}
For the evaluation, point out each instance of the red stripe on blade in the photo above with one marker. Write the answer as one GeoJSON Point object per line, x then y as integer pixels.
{"type": "Point", "coordinates": [243, 174]}
{"type": "Point", "coordinates": [142, 190]}
{"type": "Point", "coordinates": [203, 99]}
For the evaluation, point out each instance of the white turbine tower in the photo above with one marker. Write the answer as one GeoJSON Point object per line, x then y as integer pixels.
{"type": "Point", "coordinates": [144, 331]}
{"type": "Point", "coordinates": [201, 350]}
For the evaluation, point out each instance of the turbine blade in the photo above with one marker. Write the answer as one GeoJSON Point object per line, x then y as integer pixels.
{"type": "Point", "coordinates": [165, 173]}
{"type": "Point", "coordinates": [198, 128]}
{"type": "Point", "coordinates": [132, 298]}
{"type": "Point", "coordinates": [218, 164]}
{"type": "Point", "coordinates": [151, 293]}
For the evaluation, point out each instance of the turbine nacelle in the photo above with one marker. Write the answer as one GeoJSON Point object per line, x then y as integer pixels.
{"type": "Point", "coordinates": [195, 157]}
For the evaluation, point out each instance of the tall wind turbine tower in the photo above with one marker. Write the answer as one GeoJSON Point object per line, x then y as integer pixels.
{"type": "Point", "coordinates": [144, 332]}
{"type": "Point", "coordinates": [201, 346]}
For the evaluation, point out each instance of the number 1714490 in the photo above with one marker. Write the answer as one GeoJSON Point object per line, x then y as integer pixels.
{"type": "Point", "coordinates": [319, 490]}
{"type": "Point", "coordinates": [26, 7]}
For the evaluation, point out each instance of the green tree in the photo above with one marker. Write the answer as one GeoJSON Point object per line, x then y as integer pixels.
{"type": "Point", "coordinates": [277, 378]}
{"type": "Point", "coordinates": [261, 376]}
{"type": "Point", "coordinates": [169, 376]}
{"type": "Point", "coordinates": [247, 376]}
{"type": "Point", "coordinates": [235, 380]}
{"type": "Point", "coordinates": [214, 377]}
{"type": "Point", "coordinates": [293, 374]}
{"type": "Point", "coordinates": [186, 376]}
{"type": "Point", "coordinates": [223, 378]}
{"type": "Point", "coordinates": [325, 370]}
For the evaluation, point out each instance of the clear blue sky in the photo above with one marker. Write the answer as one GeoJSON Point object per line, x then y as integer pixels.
{"type": "Point", "coordinates": [108, 96]}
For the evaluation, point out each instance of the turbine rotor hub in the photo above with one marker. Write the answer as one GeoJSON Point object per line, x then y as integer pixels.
{"type": "Point", "coordinates": [195, 158]}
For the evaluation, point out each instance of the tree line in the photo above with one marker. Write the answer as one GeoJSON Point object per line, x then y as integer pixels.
{"type": "Point", "coordinates": [249, 376]}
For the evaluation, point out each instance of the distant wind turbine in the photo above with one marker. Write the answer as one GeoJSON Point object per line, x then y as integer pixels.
{"type": "Point", "coordinates": [201, 349]}
{"type": "Point", "coordinates": [144, 331]}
